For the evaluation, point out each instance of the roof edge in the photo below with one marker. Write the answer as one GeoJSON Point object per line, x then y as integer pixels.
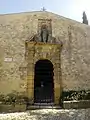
{"type": "Point", "coordinates": [27, 12]}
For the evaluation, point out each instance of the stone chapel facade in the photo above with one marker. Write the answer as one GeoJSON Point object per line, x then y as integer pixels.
{"type": "Point", "coordinates": [42, 55]}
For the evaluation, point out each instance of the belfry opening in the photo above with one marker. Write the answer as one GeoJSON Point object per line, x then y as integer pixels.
{"type": "Point", "coordinates": [43, 82]}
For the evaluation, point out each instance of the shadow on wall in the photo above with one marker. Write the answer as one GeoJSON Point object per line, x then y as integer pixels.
{"type": "Point", "coordinates": [75, 95]}
{"type": "Point", "coordinates": [13, 98]}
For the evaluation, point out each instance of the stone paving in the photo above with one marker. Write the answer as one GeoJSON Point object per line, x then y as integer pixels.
{"type": "Point", "coordinates": [48, 114]}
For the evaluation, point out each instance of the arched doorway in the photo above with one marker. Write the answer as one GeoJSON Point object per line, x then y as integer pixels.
{"type": "Point", "coordinates": [43, 82]}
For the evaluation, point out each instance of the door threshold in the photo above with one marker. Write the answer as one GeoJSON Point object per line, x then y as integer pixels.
{"type": "Point", "coordinates": [44, 104]}
{"type": "Point", "coordinates": [39, 106]}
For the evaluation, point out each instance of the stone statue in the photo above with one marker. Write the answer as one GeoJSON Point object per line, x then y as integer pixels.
{"type": "Point", "coordinates": [44, 34]}
{"type": "Point", "coordinates": [85, 21]}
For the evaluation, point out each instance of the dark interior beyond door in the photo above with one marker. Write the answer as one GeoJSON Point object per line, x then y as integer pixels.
{"type": "Point", "coordinates": [43, 82]}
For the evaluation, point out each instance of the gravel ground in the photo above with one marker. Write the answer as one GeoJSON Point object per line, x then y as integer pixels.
{"type": "Point", "coordinates": [48, 114]}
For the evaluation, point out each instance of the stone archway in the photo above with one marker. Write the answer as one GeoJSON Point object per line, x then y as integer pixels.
{"type": "Point", "coordinates": [41, 51]}
{"type": "Point", "coordinates": [43, 82]}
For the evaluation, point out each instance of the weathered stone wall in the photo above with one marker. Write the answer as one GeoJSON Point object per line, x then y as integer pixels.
{"type": "Point", "coordinates": [15, 29]}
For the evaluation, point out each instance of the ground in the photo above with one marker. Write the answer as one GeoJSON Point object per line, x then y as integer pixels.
{"type": "Point", "coordinates": [48, 114]}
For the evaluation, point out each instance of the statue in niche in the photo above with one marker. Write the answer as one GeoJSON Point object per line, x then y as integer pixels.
{"type": "Point", "coordinates": [44, 34]}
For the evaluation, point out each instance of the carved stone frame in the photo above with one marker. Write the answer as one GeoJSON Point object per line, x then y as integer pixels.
{"type": "Point", "coordinates": [39, 51]}
{"type": "Point", "coordinates": [48, 23]}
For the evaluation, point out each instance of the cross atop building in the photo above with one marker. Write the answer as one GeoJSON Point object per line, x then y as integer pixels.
{"type": "Point", "coordinates": [43, 9]}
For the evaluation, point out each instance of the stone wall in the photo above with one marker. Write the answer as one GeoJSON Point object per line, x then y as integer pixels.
{"type": "Point", "coordinates": [15, 29]}
{"type": "Point", "coordinates": [76, 104]}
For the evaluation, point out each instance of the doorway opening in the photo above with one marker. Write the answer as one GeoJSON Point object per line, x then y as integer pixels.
{"type": "Point", "coordinates": [43, 82]}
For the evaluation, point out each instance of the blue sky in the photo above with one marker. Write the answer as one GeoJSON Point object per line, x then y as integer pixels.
{"type": "Point", "coordinates": [68, 8]}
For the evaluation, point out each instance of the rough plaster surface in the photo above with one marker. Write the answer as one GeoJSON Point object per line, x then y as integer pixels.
{"type": "Point", "coordinates": [15, 29]}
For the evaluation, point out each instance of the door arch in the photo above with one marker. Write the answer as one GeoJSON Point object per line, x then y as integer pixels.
{"type": "Point", "coordinates": [43, 82]}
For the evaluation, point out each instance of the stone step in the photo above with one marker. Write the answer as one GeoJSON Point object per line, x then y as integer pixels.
{"type": "Point", "coordinates": [43, 106]}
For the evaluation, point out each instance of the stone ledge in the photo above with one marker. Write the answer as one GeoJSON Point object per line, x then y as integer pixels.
{"type": "Point", "coordinates": [43, 43]}
{"type": "Point", "coordinates": [12, 108]}
{"type": "Point", "coordinates": [82, 104]}
{"type": "Point", "coordinates": [34, 107]}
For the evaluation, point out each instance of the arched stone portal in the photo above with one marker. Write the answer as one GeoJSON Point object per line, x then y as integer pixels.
{"type": "Point", "coordinates": [43, 82]}
{"type": "Point", "coordinates": [44, 64]}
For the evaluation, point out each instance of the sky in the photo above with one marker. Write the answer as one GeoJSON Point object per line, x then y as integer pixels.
{"type": "Point", "coordinates": [72, 9]}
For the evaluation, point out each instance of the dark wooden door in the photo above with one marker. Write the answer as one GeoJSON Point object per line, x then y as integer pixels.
{"type": "Point", "coordinates": [43, 82]}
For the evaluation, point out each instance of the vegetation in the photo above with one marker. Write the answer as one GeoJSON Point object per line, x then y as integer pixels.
{"type": "Point", "coordinates": [13, 98]}
{"type": "Point", "coordinates": [76, 95]}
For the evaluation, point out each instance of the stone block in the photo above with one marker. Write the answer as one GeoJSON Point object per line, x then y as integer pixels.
{"type": "Point", "coordinates": [12, 108]}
